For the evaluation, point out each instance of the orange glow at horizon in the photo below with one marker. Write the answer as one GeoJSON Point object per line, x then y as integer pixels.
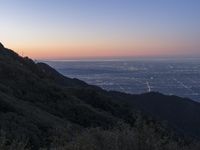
{"type": "Point", "coordinates": [100, 29]}
{"type": "Point", "coordinates": [103, 49]}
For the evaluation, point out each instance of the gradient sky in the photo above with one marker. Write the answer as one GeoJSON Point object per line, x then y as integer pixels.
{"type": "Point", "coordinates": [70, 29]}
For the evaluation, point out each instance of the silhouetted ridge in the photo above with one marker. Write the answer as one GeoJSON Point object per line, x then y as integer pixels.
{"type": "Point", "coordinates": [1, 46]}
{"type": "Point", "coordinates": [39, 104]}
{"type": "Point", "coordinates": [59, 78]}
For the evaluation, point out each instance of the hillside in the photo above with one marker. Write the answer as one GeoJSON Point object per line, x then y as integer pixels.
{"type": "Point", "coordinates": [40, 107]}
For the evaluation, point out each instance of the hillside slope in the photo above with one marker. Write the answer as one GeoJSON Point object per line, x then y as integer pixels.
{"type": "Point", "coordinates": [36, 102]}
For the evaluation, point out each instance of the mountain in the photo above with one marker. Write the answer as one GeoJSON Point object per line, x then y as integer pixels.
{"type": "Point", "coordinates": [40, 107]}
{"type": "Point", "coordinates": [181, 113]}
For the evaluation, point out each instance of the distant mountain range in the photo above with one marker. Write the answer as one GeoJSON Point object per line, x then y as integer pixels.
{"type": "Point", "coordinates": [38, 103]}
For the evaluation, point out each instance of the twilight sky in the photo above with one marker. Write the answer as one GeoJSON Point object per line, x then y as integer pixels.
{"type": "Point", "coordinates": [74, 29]}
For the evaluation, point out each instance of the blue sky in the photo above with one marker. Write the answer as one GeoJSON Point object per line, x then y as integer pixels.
{"type": "Point", "coordinates": [101, 28]}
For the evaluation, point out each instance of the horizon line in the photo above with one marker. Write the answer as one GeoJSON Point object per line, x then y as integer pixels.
{"type": "Point", "coordinates": [120, 59]}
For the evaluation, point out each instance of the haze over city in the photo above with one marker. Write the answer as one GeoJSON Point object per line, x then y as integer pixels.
{"type": "Point", "coordinates": [77, 29]}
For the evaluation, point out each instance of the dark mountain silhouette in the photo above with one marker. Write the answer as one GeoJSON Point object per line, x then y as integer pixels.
{"type": "Point", "coordinates": [37, 103]}
{"type": "Point", "coordinates": [1, 46]}
{"type": "Point", "coordinates": [181, 113]}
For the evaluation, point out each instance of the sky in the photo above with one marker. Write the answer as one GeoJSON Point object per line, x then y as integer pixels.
{"type": "Point", "coordinates": [76, 29]}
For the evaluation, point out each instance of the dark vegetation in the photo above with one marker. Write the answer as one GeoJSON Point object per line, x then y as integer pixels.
{"type": "Point", "coordinates": [41, 109]}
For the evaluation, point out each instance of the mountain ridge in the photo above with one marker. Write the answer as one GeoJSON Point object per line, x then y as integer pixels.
{"type": "Point", "coordinates": [36, 101]}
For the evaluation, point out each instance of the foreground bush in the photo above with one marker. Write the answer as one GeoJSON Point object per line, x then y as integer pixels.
{"type": "Point", "coordinates": [124, 137]}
